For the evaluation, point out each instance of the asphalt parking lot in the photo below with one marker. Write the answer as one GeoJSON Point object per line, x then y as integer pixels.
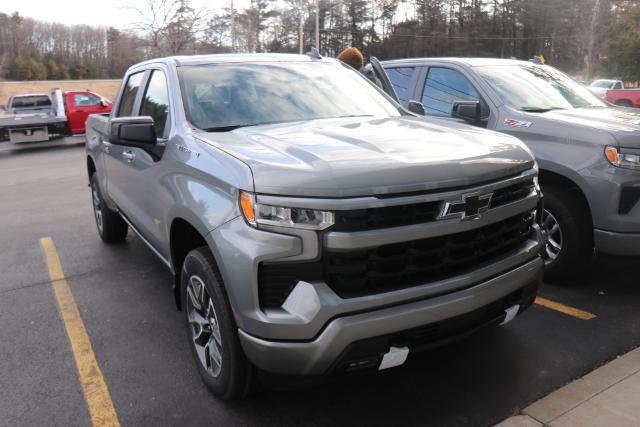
{"type": "Point", "coordinates": [124, 297]}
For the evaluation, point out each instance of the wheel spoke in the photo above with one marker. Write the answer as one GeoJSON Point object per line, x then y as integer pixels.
{"type": "Point", "coordinates": [554, 244]}
{"type": "Point", "coordinates": [192, 293]}
{"type": "Point", "coordinates": [214, 354]}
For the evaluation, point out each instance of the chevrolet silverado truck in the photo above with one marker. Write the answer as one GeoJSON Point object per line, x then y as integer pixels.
{"type": "Point", "coordinates": [312, 225]}
{"type": "Point", "coordinates": [37, 117]}
{"type": "Point", "coordinates": [588, 151]}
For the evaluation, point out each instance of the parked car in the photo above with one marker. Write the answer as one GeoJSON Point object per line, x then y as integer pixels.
{"type": "Point", "coordinates": [588, 152]}
{"type": "Point", "coordinates": [623, 97]}
{"type": "Point", "coordinates": [601, 86]}
{"type": "Point", "coordinates": [36, 117]}
{"type": "Point", "coordinates": [312, 225]}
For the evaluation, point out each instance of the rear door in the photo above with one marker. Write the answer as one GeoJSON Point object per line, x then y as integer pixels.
{"type": "Point", "coordinates": [79, 106]}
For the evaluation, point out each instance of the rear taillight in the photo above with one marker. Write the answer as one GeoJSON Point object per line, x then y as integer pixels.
{"type": "Point", "coordinates": [14, 111]}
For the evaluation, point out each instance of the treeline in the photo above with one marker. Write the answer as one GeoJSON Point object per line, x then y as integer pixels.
{"type": "Point", "coordinates": [34, 50]}
{"type": "Point", "coordinates": [590, 37]}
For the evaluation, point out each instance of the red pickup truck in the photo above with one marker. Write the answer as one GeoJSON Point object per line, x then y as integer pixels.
{"type": "Point", "coordinates": [623, 97]}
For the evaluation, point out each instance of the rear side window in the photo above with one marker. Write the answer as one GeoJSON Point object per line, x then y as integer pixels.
{"type": "Point", "coordinates": [618, 85]}
{"type": "Point", "coordinates": [156, 101]}
{"type": "Point", "coordinates": [401, 80]}
{"type": "Point", "coordinates": [85, 99]}
{"type": "Point", "coordinates": [129, 94]}
{"type": "Point", "coordinates": [443, 87]}
{"type": "Point", "coordinates": [31, 101]}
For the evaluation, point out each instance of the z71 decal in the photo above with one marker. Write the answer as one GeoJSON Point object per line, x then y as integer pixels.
{"type": "Point", "coordinates": [517, 123]}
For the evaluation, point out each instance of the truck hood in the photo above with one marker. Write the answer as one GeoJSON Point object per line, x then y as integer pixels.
{"type": "Point", "coordinates": [371, 156]}
{"type": "Point", "coordinates": [623, 124]}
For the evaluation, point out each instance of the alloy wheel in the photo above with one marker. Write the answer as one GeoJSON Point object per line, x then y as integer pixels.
{"type": "Point", "coordinates": [554, 238]}
{"type": "Point", "coordinates": [97, 207]}
{"type": "Point", "coordinates": [205, 329]}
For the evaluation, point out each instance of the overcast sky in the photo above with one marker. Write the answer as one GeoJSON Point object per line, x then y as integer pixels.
{"type": "Point", "coordinates": [90, 12]}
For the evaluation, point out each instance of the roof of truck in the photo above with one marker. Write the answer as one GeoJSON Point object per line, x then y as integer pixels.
{"type": "Point", "coordinates": [472, 62]}
{"type": "Point", "coordinates": [29, 94]}
{"type": "Point", "coordinates": [231, 58]}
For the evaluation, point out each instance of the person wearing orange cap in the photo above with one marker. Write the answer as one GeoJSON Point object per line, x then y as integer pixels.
{"type": "Point", "coordinates": [353, 57]}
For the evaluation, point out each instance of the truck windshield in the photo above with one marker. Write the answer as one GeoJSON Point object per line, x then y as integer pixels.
{"type": "Point", "coordinates": [605, 84]}
{"type": "Point", "coordinates": [31, 101]}
{"type": "Point", "coordinates": [221, 97]}
{"type": "Point", "coordinates": [537, 88]}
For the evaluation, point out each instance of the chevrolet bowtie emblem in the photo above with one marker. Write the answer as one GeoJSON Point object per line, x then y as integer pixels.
{"type": "Point", "coordinates": [470, 207]}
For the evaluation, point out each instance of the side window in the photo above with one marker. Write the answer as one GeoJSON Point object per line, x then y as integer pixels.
{"type": "Point", "coordinates": [129, 94]}
{"type": "Point", "coordinates": [618, 85]}
{"type": "Point", "coordinates": [85, 99]}
{"type": "Point", "coordinates": [443, 87]}
{"type": "Point", "coordinates": [156, 101]}
{"type": "Point", "coordinates": [401, 79]}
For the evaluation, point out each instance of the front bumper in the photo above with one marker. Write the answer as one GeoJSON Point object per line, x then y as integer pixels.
{"type": "Point", "coordinates": [613, 243]}
{"type": "Point", "coordinates": [329, 350]}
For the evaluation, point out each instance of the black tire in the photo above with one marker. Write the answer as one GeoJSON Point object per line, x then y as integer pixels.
{"type": "Point", "coordinates": [111, 227]}
{"type": "Point", "coordinates": [231, 378]}
{"type": "Point", "coordinates": [567, 208]}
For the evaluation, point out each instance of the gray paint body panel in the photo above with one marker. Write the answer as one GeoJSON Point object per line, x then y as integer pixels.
{"type": "Point", "coordinates": [569, 143]}
{"type": "Point", "coordinates": [336, 164]}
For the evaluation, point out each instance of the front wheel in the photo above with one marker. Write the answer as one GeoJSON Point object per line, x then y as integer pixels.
{"type": "Point", "coordinates": [624, 103]}
{"type": "Point", "coordinates": [211, 329]}
{"type": "Point", "coordinates": [567, 227]}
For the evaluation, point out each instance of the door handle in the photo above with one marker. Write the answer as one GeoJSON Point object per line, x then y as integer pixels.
{"type": "Point", "coordinates": [129, 156]}
{"type": "Point", "coordinates": [106, 146]}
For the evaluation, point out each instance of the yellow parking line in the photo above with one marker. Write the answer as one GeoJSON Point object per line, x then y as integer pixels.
{"type": "Point", "coordinates": [94, 388]}
{"type": "Point", "coordinates": [569, 311]}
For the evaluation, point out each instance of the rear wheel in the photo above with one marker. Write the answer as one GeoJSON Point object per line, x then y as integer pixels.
{"type": "Point", "coordinates": [567, 227]}
{"type": "Point", "coordinates": [211, 328]}
{"type": "Point", "coordinates": [111, 227]}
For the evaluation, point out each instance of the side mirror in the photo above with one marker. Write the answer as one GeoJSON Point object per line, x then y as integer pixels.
{"type": "Point", "coordinates": [133, 132]}
{"type": "Point", "coordinates": [416, 107]}
{"type": "Point", "coordinates": [103, 103]}
{"type": "Point", "coordinates": [467, 110]}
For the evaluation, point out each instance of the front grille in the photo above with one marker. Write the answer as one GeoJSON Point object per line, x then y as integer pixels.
{"type": "Point", "coordinates": [417, 213]}
{"type": "Point", "coordinates": [511, 193]}
{"type": "Point", "coordinates": [389, 216]}
{"type": "Point", "coordinates": [399, 265]}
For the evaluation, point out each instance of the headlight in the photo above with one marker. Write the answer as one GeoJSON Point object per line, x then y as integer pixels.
{"type": "Point", "coordinates": [623, 157]}
{"type": "Point", "coordinates": [280, 216]}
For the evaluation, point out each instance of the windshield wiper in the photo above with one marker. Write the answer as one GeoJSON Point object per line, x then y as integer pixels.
{"type": "Point", "coordinates": [540, 109]}
{"type": "Point", "coordinates": [226, 128]}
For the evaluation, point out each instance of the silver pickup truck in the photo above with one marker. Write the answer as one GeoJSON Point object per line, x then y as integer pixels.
{"type": "Point", "coordinates": [588, 151]}
{"type": "Point", "coordinates": [312, 225]}
{"type": "Point", "coordinates": [33, 117]}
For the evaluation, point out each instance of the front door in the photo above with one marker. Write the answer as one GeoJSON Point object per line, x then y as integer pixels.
{"type": "Point", "coordinates": [138, 170]}
{"type": "Point", "coordinates": [114, 161]}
